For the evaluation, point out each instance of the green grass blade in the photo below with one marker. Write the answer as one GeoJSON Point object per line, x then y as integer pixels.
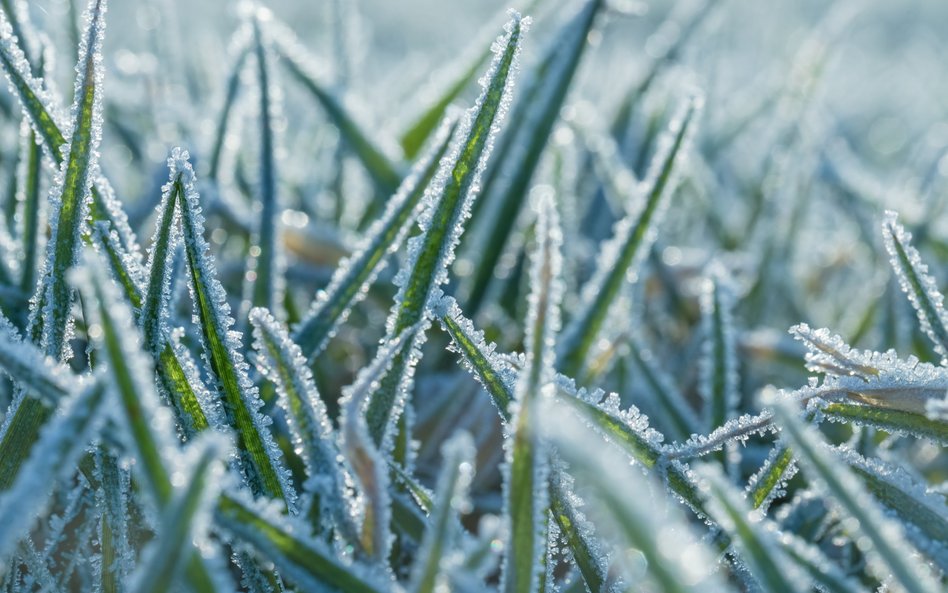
{"type": "Point", "coordinates": [383, 171]}
{"type": "Point", "coordinates": [266, 259]}
{"type": "Point", "coordinates": [261, 460]}
{"type": "Point", "coordinates": [281, 361]}
{"type": "Point", "coordinates": [53, 458]}
{"type": "Point", "coordinates": [522, 146]}
{"type": "Point", "coordinates": [888, 551]}
{"type": "Point", "coordinates": [756, 542]}
{"type": "Point", "coordinates": [29, 368]}
{"type": "Point", "coordinates": [682, 422]}
{"type": "Point", "coordinates": [769, 482]}
{"type": "Point", "coordinates": [354, 275]}
{"type": "Point", "coordinates": [718, 367]}
{"type": "Point", "coordinates": [631, 240]}
{"type": "Point", "coordinates": [633, 520]}
{"type": "Point", "coordinates": [181, 521]}
{"type": "Point", "coordinates": [309, 564]}
{"type": "Point", "coordinates": [112, 500]}
{"type": "Point", "coordinates": [525, 479]}
{"type": "Point", "coordinates": [917, 283]}
{"type": "Point", "coordinates": [29, 181]}
{"type": "Point", "coordinates": [895, 421]}
{"type": "Point", "coordinates": [240, 52]}
{"type": "Point", "coordinates": [71, 196]}
{"type": "Point", "coordinates": [457, 470]}
{"type": "Point", "coordinates": [154, 309]}
{"type": "Point", "coordinates": [431, 253]}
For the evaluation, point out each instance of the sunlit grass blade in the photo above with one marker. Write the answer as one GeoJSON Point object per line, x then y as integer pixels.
{"type": "Point", "coordinates": [53, 458]}
{"type": "Point", "coordinates": [894, 421]}
{"type": "Point", "coordinates": [281, 361]}
{"type": "Point", "coordinates": [632, 238]}
{"type": "Point", "coordinates": [71, 195]}
{"type": "Point", "coordinates": [889, 553]}
{"type": "Point", "coordinates": [521, 147]}
{"type": "Point", "coordinates": [260, 459]}
{"type": "Point", "coordinates": [183, 518]}
{"type": "Point", "coordinates": [769, 482]}
{"type": "Point", "coordinates": [756, 541]}
{"type": "Point", "coordinates": [448, 203]}
{"type": "Point", "coordinates": [677, 561]}
{"type": "Point", "coordinates": [355, 274]}
{"type": "Point", "coordinates": [917, 283]}
{"type": "Point", "coordinates": [383, 170]}
{"type": "Point", "coordinates": [309, 564]}
{"type": "Point", "coordinates": [428, 573]}
{"type": "Point", "coordinates": [264, 265]}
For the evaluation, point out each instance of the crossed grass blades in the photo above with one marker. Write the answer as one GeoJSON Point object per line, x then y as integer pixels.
{"type": "Point", "coordinates": [176, 420]}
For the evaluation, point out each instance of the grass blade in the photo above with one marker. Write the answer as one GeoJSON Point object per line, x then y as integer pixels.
{"type": "Point", "coordinates": [895, 421]}
{"type": "Point", "coordinates": [383, 171]}
{"type": "Point", "coordinates": [887, 549]}
{"type": "Point", "coordinates": [457, 471]}
{"type": "Point", "coordinates": [29, 177]}
{"type": "Point", "coordinates": [71, 195]}
{"type": "Point", "coordinates": [449, 201]}
{"type": "Point", "coordinates": [519, 154]}
{"type": "Point", "coordinates": [916, 283]}
{"type": "Point", "coordinates": [525, 479]}
{"type": "Point", "coordinates": [355, 274]}
{"type": "Point", "coordinates": [260, 456]}
{"type": "Point", "coordinates": [53, 458]}
{"type": "Point", "coordinates": [756, 541]}
{"type": "Point", "coordinates": [308, 563]}
{"type": "Point", "coordinates": [631, 240]}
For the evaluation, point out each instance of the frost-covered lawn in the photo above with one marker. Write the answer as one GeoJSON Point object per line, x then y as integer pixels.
{"type": "Point", "coordinates": [351, 297]}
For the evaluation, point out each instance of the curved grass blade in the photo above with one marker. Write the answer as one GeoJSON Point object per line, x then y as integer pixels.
{"type": "Point", "coordinates": [266, 259]}
{"type": "Point", "coordinates": [631, 240]}
{"type": "Point", "coordinates": [383, 171]}
{"type": "Point", "coordinates": [448, 204]}
{"type": "Point", "coordinates": [888, 551]}
{"type": "Point", "coordinates": [632, 520]}
{"type": "Point", "coordinates": [526, 489]}
{"type": "Point", "coordinates": [183, 518]}
{"type": "Point", "coordinates": [260, 456]}
{"type": "Point", "coordinates": [916, 283]}
{"type": "Point", "coordinates": [281, 361]}
{"type": "Point", "coordinates": [53, 458]}
{"type": "Point", "coordinates": [354, 275]}
{"type": "Point", "coordinates": [71, 195]}
{"type": "Point", "coordinates": [308, 563]}
{"type": "Point", "coordinates": [755, 540]}
{"type": "Point", "coordinates": [522, 145]}
{"type": "Point", "coordinates": [457, 470]}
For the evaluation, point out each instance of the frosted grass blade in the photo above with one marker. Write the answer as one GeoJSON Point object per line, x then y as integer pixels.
{"type": "Point", "coordinates": [522, 146]}
{"type": "Point", "coordinates": [26, 365]}
{"type": "Point", "coordinates": [354, 275]}
{"type": "Point", "coordinates": [916, 283]}
{"type": "Point", "coordinates": [756, 541]}
{"type": "Point", "coordinates": [821, 570]}
{"type": "Point", "coordinates": [718, 367]}
{"type": "Point", "coordinates": [53, 458]}
{"type": "Point", "coordinates": [769, 482]}
{"type": "Point", "coordinates": [447, 205]}
{"type": "Point", "coordinates": [895, 421]}
{"type": "Point", "coordinates": [308, 563]}
{"type": "Point", "coordinates": [440, 539]}
{"type": "Point", "coordinates": [890, 557]}
{"type": "Point", "coordinates": [383, 171]}
{"type": "Point", "coordinates": [70, 196]}
{"type": "Point", "coordinates": [682, 420]}
{"type": "Point", "coordinates": [677, 560]}
{"type": "Point", "coordinates": [112, 500]}
{"type": "Point", "coordinates": [266, 260]}
{"type": "Point", "coordinates": [281, 361]}
{"type": "Point", "coordinates": [632, 238]}
{"type": "Point", "coordinates": [32, 210]}
{"type": "Point", "coordinates": [183, 520]}
{"type": "Point", "coordinates": [240, 51]}
{"type": "Point", "coordinates": [526, 489]}
{"type": "Point", "coordinates": [261, 460]}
